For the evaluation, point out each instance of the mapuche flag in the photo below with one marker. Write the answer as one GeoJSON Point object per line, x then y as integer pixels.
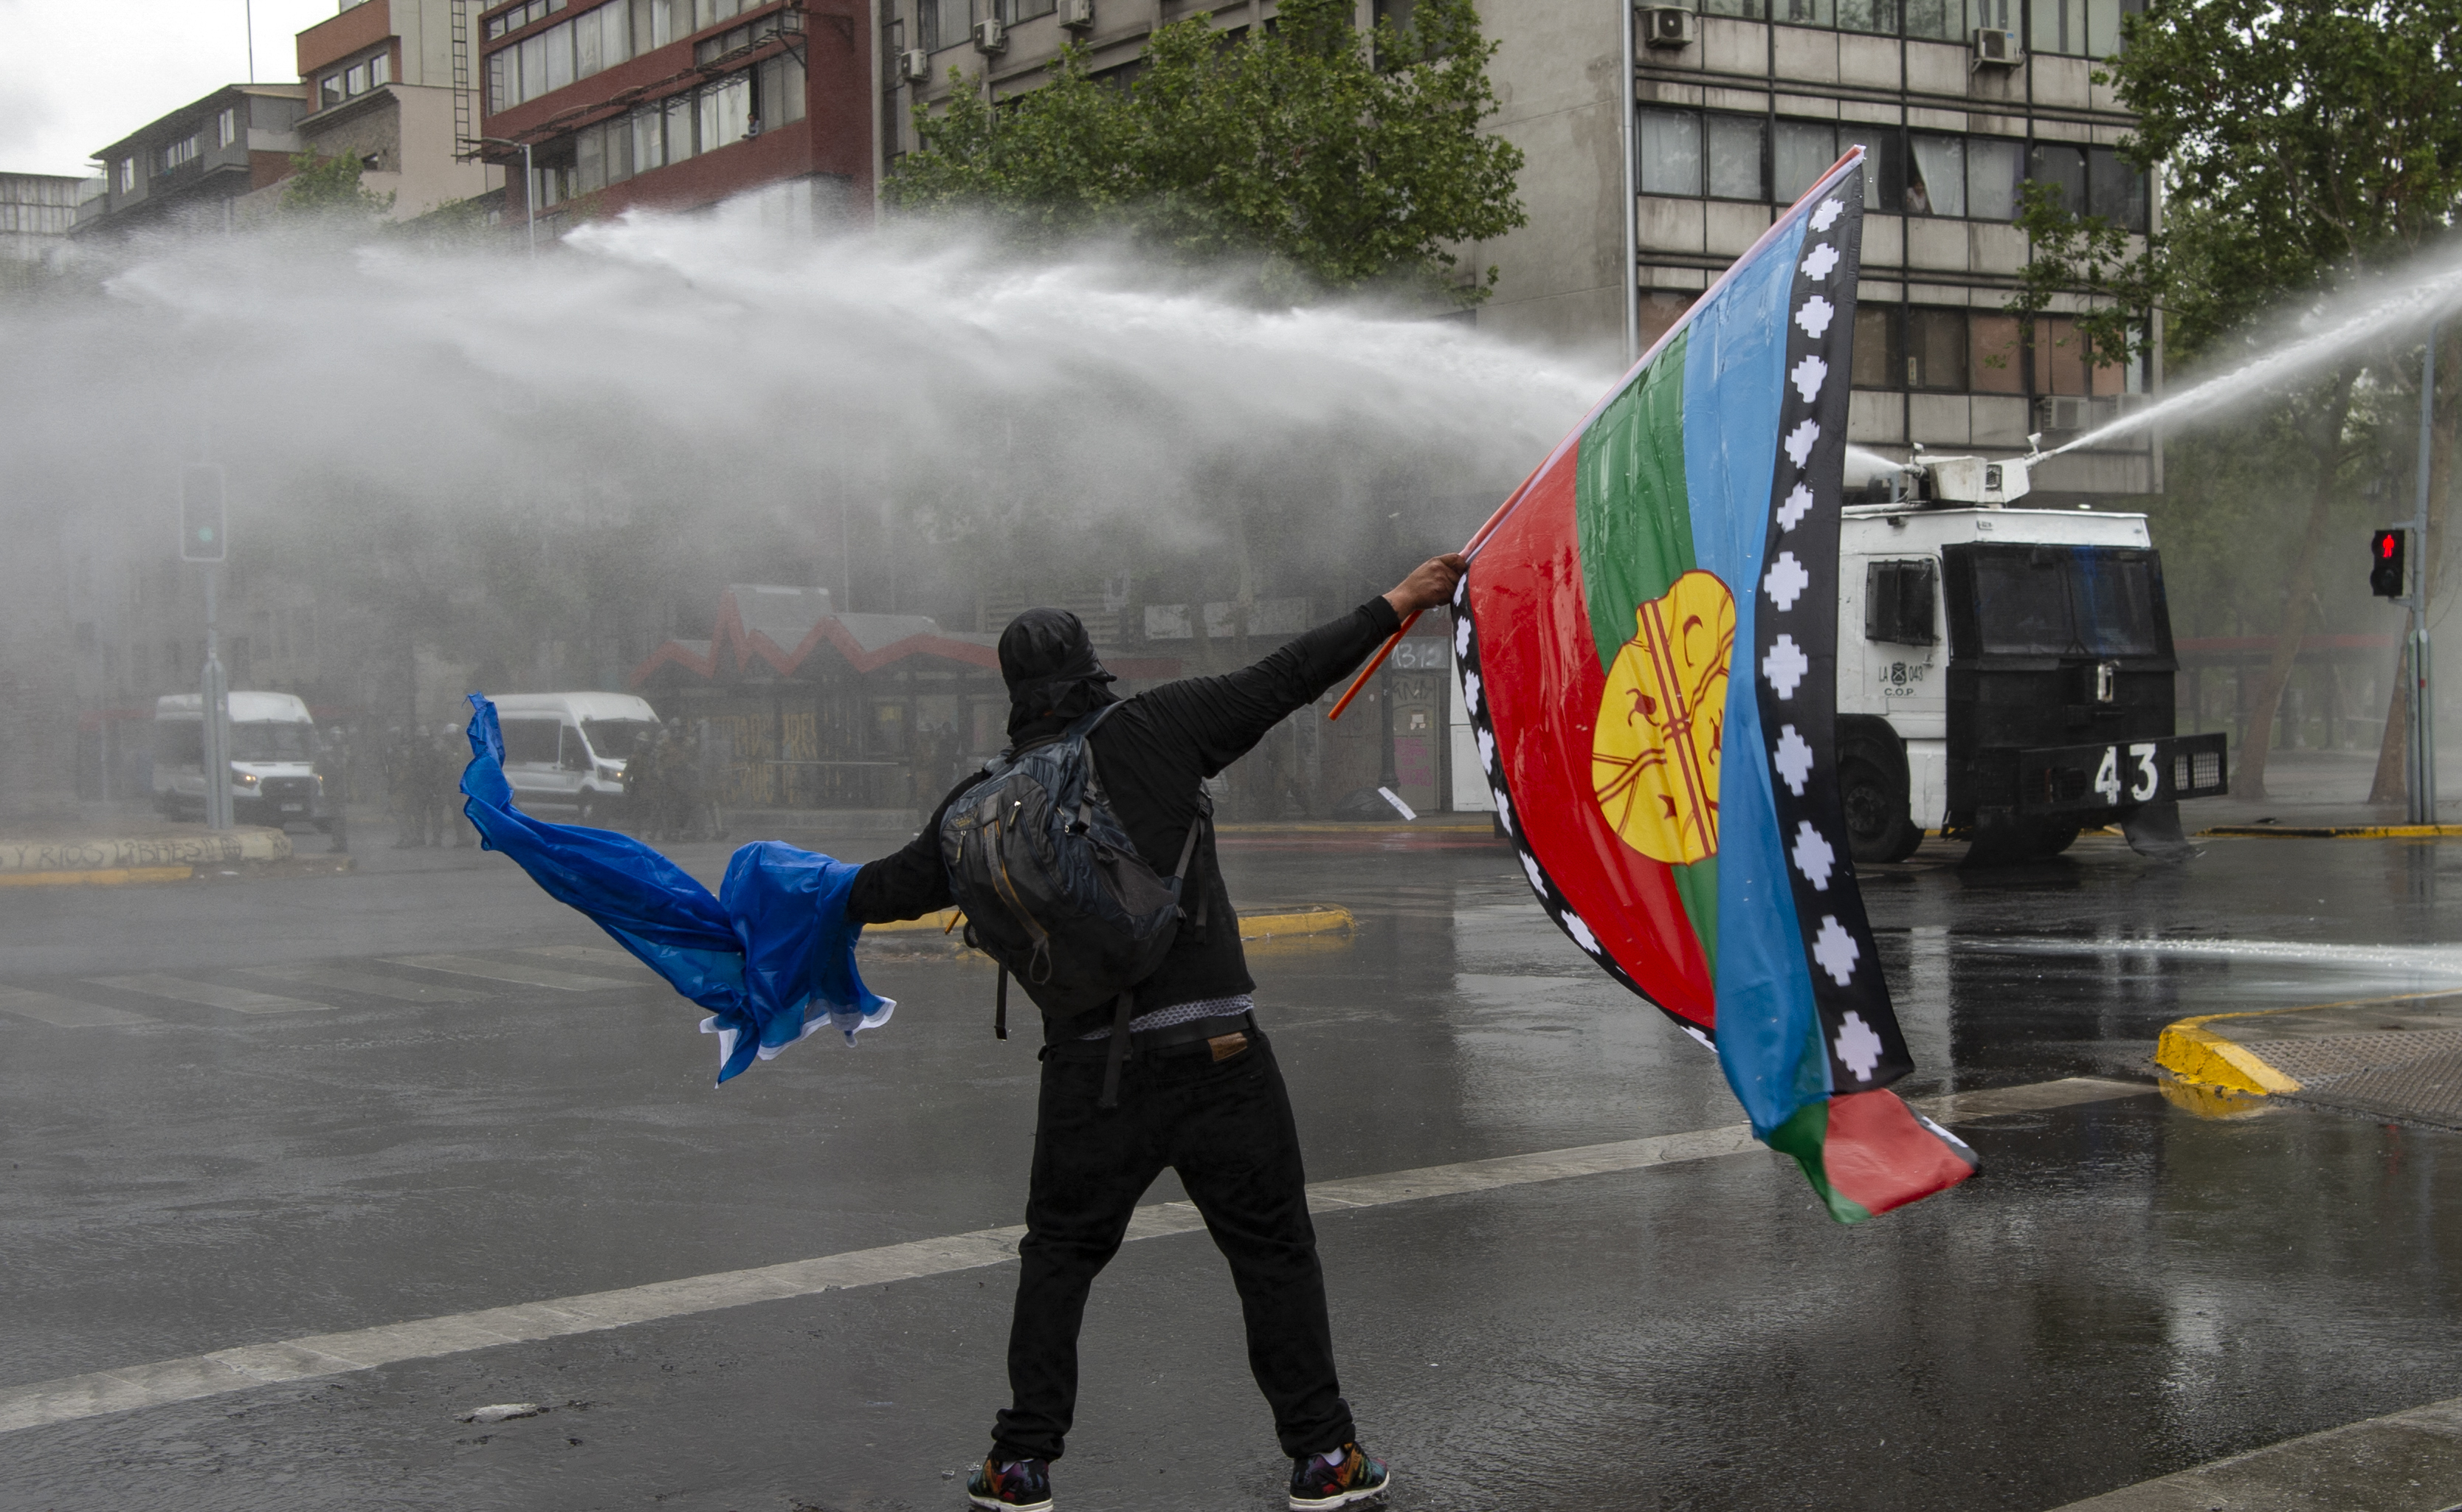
{"type": "Point", "coordinates": [1647, 640]}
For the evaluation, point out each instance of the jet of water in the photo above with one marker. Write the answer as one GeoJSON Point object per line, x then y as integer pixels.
{"type": "Point", "coordinates": [2425, 297]}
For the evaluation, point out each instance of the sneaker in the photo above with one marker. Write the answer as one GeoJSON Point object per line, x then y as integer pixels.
{"type": "Point", "coordinates": [1015, 1485]}
{"type": "Point", "coordinates": [1316, 1485]}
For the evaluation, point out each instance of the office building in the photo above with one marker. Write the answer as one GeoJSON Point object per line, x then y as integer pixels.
{"type": "Point", "coordinates": [379, 81]}
{"type": "Point", "coordinates": [678, 103]}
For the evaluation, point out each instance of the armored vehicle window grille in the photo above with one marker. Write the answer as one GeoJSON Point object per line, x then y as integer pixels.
{"type": "Point", "coordinates": [1898, 599]}
{"type": "Point", "coordinates": [2066, 601]}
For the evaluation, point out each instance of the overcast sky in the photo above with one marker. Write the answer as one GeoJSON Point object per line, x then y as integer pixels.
{"type": "Point", "coordinates": [77, 74]}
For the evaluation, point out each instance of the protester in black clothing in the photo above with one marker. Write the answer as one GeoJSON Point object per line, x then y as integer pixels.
{"type": "Point", "coordinates": [1200, 1093]}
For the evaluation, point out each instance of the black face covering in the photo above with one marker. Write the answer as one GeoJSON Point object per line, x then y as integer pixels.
{"type": "Point", "coordinates": [1051, 669]}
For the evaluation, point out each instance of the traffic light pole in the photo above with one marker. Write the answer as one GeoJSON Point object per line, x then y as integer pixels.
{"type": "Point", "coordinates": [2420, 758]}
{"type": "Point", "coordinates": [215, 754]}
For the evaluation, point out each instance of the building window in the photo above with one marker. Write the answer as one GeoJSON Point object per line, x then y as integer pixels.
{"type": "Point", "coordinates": [1937, 175]}
{"type": "Point", "coordinates": [1876, 346]}
{"type": "Point", "coordinates": [380, 70]}
{"type": "Point", "coordinates": [182, 151]}
{"type": "Point", "coordinates": [1954, 351]}
{"type": "Point", "coordinates": [1937, 350]}
{"type": "Point", "coordinates": [520, 16]}
{"type": "Point", "coordinates": [682, 127]}
{"type": "Point", "coordinates": [1994, 166]}
{"type": "Point", "coordinates": [941, 23]}
{"type": "Point", "coordinates": [330, 90]}
{"type": "Point", "coordinates": [128, 175]}
{"type": "Point", "coordinates": [1670, 152]}
{"type": "Point", "coordinates": [226, 128]}
{"type": "Point", "coordinates": [711, 50]}
{"type": "Point", "coordinates": [707, 14]}
{"type": "Point", "coordinates": [571, 50]}
{"type": "Point", "coordinates": [1735, 156]}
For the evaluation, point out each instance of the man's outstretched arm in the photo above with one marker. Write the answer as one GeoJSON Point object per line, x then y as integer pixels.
{"type": "Point", "coordinates": [1224, 716]}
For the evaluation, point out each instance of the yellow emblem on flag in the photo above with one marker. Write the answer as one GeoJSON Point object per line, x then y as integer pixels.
{"type": "Point", "coordinates": [1655, 753]}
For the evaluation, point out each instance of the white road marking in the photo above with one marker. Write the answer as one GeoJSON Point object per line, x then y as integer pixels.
{"type": "Point", "coordinates": [368, 983]}
{"type": "Point", "coordinates": [130, 1388]}
{"type": "Point", "coordinates": [212, 994]}
{"type": "Point", "coordinates": [589, 955]}
{"type": "Point", "coordinates": [510, 971]}
{"type": "Point", "coordinates": [66, 1014]}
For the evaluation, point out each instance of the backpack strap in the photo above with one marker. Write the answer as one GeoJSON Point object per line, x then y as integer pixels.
{"type": "Point", "coordinates": [1187, 856]}
{"type": "Point", "coordinates": [999, 1006]}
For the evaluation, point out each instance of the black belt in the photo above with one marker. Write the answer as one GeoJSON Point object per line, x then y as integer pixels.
{"type": "Point", "coordinates": [1171, 1039]}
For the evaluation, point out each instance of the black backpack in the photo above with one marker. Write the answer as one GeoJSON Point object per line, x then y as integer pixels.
{"type": "Point", "coordinates": [1054, 890]}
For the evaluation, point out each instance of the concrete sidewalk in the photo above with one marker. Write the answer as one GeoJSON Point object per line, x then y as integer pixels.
{"type": "Point", "coordinates": [2397, 1058]}
{"type": "Point", "coordinates": [2409, 1462]}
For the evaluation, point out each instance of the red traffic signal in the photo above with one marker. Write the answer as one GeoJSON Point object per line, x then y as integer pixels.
{"type": "Point", "coordinates": [2386, 549]}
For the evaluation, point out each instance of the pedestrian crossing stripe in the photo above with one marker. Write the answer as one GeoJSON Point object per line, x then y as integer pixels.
{"type": "Point", "coordinates": [212, 994]}
{"type": "Point", "coordinates": [66, 1014]}
{"type": "Point", "coordinates": [511, 971]}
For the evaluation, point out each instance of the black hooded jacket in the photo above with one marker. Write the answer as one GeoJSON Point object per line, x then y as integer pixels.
{"type": "Point", "coordinates": [1152, 753]}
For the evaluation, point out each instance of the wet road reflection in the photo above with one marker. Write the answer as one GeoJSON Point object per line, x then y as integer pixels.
{"type": "Point", "coordinates": [2130, 1290]}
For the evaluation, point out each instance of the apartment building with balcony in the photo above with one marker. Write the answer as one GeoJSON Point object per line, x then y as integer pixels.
{"type": "Point", "coordinates": [380, 85]}
{"type": "Point", "coordinates": [183, 170]}
{"type": "Point", "coordinates": [678, 103]}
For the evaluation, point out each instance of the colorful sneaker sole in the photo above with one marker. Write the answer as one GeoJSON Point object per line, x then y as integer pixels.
{"type": "Point", "coordinates": [995, 1504]}
{"type": "Point", "coordinates": [1344, 1498]}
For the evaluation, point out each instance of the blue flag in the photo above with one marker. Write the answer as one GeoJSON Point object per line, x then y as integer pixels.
{"type": "Point", "coordinates": [771, 956]}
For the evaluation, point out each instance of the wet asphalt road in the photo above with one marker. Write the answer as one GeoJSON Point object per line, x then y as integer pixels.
{"type": "Point", "coordinates": [2130, 1290]}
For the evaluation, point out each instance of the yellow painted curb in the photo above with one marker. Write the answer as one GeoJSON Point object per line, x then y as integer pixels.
{"type": "Point", "coordinates": [111, 876]}
{"type": "Point", "coordinates": [2335, 831]}
{"type": "Point", "coordinates": [947, 921]}
{"type": "Point", "coordinates": [1324, 918]}
{"type": "Point", "coordinates": [2200, 1055]}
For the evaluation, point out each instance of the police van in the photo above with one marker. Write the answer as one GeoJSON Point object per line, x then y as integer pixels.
{"type": "Point", "coordinates": [274, 752]}
{"type": "Point", "coordinates": [567, 750]}
{"type": "Point", "coordinates": [2004, 673]}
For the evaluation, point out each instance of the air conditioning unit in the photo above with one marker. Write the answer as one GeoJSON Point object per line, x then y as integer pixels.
{"type": "Point", "coordinates": [1666, 26]}
{"type": "Point", "coordinates": [1077, 15]}
{"type": "Point", "coordinates": [2061, 412]}
{"type": "Point", "coordinates": [991, 36]}
{"type": "Point", "coordinates": [914, 66]}
{"type": "Point", "coordinates": [1996, 48]}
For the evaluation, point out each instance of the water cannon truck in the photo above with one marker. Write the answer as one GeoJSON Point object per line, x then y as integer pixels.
{"type": "Point", "coordinates": [2004, 672]}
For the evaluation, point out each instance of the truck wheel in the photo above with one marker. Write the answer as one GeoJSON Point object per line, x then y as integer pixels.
{"type": "Point", "coordinates": [1875, 800]}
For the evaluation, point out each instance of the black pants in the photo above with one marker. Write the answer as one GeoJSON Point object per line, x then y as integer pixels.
{"type": "Point", "coordinates": [1226, 1128]}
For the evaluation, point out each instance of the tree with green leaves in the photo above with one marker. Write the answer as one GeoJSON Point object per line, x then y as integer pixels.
{"type": "Point", "coordinates": [331, 187]}
{"type": "Point", "coordinates": [2306, 146]}
{"type": "Point", "coordinates": [1344, 161]}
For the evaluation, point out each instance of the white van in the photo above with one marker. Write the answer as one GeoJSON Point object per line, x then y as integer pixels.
{"type": "Point", "coordinates": [274, 752]}
{"type": "Point", "coordinates": [567, 750]}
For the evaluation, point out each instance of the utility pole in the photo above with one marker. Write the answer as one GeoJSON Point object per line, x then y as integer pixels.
{"type": "Point", "coordinates": [2420, 760]}
{"type": "Point", "coordinates": [204, 540]}
{"type": "Point", "coordinates": [1631, 192]}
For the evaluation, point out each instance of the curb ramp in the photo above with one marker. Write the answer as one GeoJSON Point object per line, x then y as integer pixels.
{"type": "Point", "coordinates": [2397, 1059]}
